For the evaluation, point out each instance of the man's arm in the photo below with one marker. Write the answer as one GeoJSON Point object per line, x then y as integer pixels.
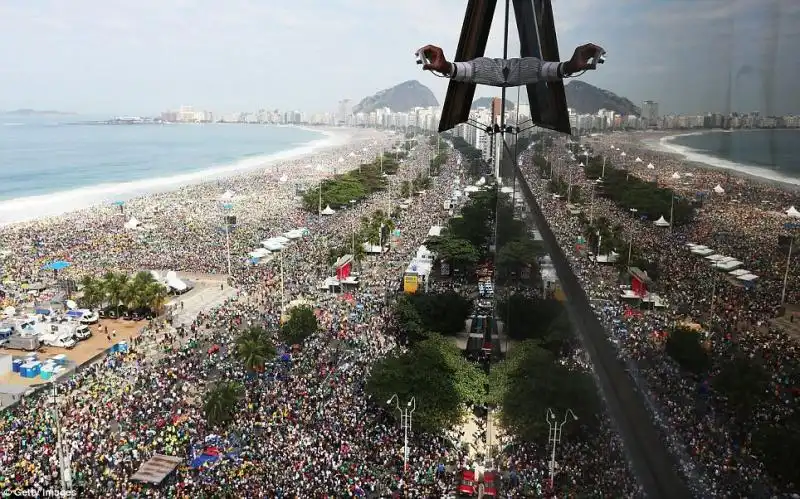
{"type": "Point", "coordinates": [506, 72]}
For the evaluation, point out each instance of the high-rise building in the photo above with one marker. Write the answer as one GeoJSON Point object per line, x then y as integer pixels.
{"type": "Point", "coordinates": [650, 112]}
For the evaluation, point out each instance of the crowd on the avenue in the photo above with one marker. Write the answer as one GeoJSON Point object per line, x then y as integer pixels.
{"type": "Point", "coordinates": [713, 447]}
{"type": "Point", "coordinates": [305, 426]}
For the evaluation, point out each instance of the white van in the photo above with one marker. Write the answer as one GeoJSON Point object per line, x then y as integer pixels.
{"type": "Point", "coordinates": [58, 340]}
{"type": "Point", "coordinates": [90, 317]}
{"type": "Point", "coordinates": [83, 332]}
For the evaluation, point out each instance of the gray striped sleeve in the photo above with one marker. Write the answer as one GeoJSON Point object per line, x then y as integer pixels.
{"type": "Point", "coordinates": [506, 73]}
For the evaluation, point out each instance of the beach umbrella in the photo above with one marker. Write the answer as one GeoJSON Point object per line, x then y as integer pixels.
{"type": "Point", "coordinates": [118, 203]}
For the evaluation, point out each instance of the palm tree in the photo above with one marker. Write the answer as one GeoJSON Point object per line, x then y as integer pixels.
{"type": "Point", "coordinates": [254, 349]}
{"type": "Point", "coordinates": [93, 293]}
{"type": "Point", "coordinates": [114, 286]}
{"type": "Point", "coordinates": [155, 296]}
{"type": "Point", "coordinates": [220, 402]}
{"type": "Point", "coordinates": [134, 295]}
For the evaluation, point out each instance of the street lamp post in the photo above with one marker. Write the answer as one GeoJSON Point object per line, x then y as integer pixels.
{"type": "Point", "coordinates": [786, 272]}
{"type": "Point", "coordinates": [63, 465]}
{"type": "Point", "coordinates": [554, 437]}
{"type": "Point", "coordinates": [405, 422]}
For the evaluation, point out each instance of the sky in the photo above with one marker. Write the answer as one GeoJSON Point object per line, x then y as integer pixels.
{"type": "Point", "coordinates": [145, 56]}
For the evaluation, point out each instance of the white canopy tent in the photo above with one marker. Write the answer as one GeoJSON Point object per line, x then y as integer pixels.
{"type": "Point", "coordinates": [638, 159]}
{"type": "Point", "coordinates": [715, 258]}
{"type": "Point", "coordinates": [748, 277]}
{"type": "Point", "coordinates": [328, 210]}
{"type": "Point", "coordinates": [226, 196]}
{"type": "Point", "coordinates": [132, 223]}
{"type": "Point", "coordinates": [739, 272]}
{"type": "Point", "coordinates": [284, 178]}
{"type": "Point", "coordinates": [623, 154]}
{"type": "Point", "coordinates": [650, 166]}
{"type": "Point", "coordinates": [792, 212]}
{"type": "Point", "coordinates": [174, 282]}
{"type": "Point", "coordinates": [728, 265]}
{"type": "Point", "coordinates": [675, 176]}
{"type": "Point", "coordinates": [661, 222]}
{"type": "Point", "coordinates": [719, 190]}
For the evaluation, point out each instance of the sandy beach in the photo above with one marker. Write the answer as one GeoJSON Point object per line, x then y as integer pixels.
{"type": "Point", "coordinates": [180, 222]}
{"type": "Point", "coordinates": [661, 142]}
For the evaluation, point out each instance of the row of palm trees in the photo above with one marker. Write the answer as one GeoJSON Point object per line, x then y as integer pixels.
{"type": "Point", "coordinates": [117, 289]}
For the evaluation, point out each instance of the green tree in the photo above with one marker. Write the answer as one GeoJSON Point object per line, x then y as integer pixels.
{"type": "Point", "coordinates": [405, 189]}
{"type": "Point", "coordinates": [409, 320]}
{"type": "Point", "coordinates": [686, 348]}
{"type": "Point", "coordinates": [115, 285]}
{"type": "Point", "coordinates": [544, 320]}
{"type": "Point", "coordinates": [93, 292]}
{"type": "Point", "coordinates": [302, 323]}
{"type": "Point", "coordinates": [744, 382]}
{"type": "Point", "coordinates": [220, 402]}
{"type": "Point", "coordinates": [459, 253]}
{"type": "Point", "coordinates": [444, 313]}
{"type": "Point", "coordinates": [254, 349]}
{"type": "Point", "coordinates": [436, 374]}
{"type": "Point", "coordinates": [776, 443]}
{"type": "Point", "coordinates": [529, 382]}
{"type": "Point", "coordinates": [514, 256]}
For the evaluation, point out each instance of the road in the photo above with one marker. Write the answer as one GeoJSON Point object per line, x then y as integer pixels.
{"type": "Point", "coordinates": [652, 463]}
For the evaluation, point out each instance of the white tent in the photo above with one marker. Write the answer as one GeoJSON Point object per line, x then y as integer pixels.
{"type": "Point", "coordinates": [284, 178]}
{"type": "Point", "coordinates": [175, 283]}
{"type": "Point", "coordinates": [328, 210]}
{"type": "Point", "coordinates": [352, 154]}
{"type": "Point", "coordinates": [638, 159]}
{"type": "Point", "coordinates": [294, 234]}
{"type": "Point", "coordinates": [650, 166]}
{"type": "Point", "coordinates": [688, 174]}
{"type": "Point", "coordinates": [739, 272]}
{"type": "Point", "coordinates": [719, 190]}
{"type": "Point", "coordinates": [792, 212]}
{"type": "Point", "coordinates": [676, 175]}
{"type": "Point", "coordinates": [132, 223]}
{"type": "Point", "coordinates": [661, 222]}
{"type": "Point", "coordinates": [623, 154]}
{"type": "Point", "coordinates": [226, 196]}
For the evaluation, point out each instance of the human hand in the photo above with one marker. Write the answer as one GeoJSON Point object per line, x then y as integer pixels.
{"type": "Point", "coordinates": [581, 56]}
{"type": "Point", "coordinates": [436, 59]}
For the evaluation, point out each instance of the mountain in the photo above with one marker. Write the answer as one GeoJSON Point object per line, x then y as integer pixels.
{"type": "Point", "coordinates": [400, 98]}
{"type": "Point", "coordinates": [588, 99]}
{"type": "Point", "coordinates": [487, 103]}
{"type": "Point", "coordinates": [34, 112]}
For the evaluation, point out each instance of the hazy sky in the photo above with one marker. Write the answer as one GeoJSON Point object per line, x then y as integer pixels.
{"type": "Point", "coordinates": [144, 56]}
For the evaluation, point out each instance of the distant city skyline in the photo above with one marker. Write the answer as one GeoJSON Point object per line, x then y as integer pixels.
{"type": "Point", "coordinates": [95, 57]}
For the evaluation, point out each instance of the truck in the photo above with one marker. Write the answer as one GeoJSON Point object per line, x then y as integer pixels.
{"type": "Point", "coordinates": [27, 342]}
{"type": "Point", "coordinates": [83, 332]}
{"type": "Point", "coordinates": [59, 340]}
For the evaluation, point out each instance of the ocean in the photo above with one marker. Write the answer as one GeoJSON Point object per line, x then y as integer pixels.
{"type": "Point", "coordinates": [53, 165]}
{"type": "Point", "coordinates": [771, 154]}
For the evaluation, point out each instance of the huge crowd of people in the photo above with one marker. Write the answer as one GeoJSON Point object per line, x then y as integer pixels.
{"type": "Point", "coordinates": [712, 447]}
{"type": "Point", "coordinates": [305, 427]}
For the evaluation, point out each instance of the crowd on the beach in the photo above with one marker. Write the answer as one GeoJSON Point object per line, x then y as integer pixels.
{"type": "Point", "coordinates": [712, 445]}
{"type": "Point", "coordinates": [305, 428]}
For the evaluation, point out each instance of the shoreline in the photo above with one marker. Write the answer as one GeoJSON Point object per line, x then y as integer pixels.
{"type": "Point", "coordinates": [664, 143]}
{"type": "Point", "coordinates": [61, 203]}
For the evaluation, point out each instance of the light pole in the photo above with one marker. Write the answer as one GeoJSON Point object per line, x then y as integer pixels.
{"type": "Point", "coordinates": [405, 422]}
{"type": "Point", "coordinates": [788, 262]}
{"type": "Point", "coordinates": [554, 437]}
{"type": "Point", "coordinates": [64, 467]}
{"type": "Point", "coordinates": [283, 295]}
